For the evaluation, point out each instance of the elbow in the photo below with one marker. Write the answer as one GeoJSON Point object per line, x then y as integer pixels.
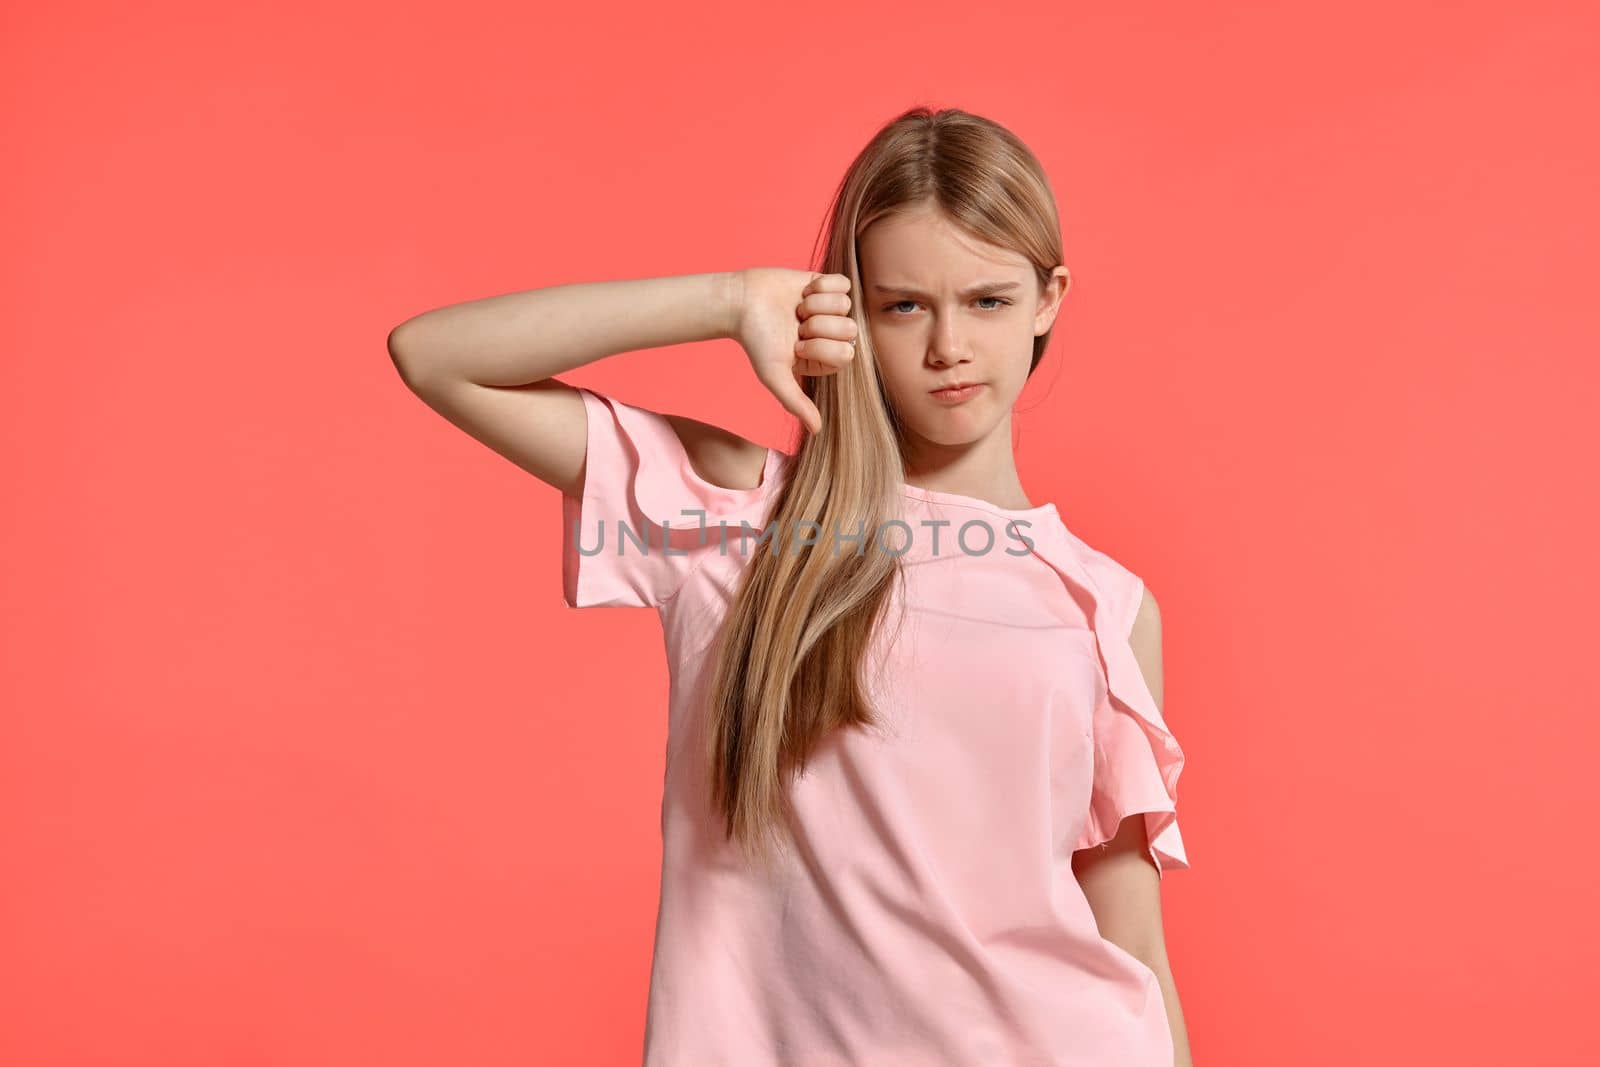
{"type": "Point", "coordinates": [407, 363]}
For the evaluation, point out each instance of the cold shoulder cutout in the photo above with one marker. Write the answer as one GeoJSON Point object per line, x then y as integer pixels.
{"type": "Point", "coordinates": [636, 533]}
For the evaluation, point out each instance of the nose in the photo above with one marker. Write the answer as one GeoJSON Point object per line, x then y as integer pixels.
{"type": "Point", "coordinates": [947, 346]}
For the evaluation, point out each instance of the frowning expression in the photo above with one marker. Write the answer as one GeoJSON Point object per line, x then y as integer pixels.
{"type": "Point", "coordinates": [946, 309]}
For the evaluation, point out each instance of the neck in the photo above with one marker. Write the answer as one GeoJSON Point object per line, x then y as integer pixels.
{"type": "Point", "coordinates": [984, 469]}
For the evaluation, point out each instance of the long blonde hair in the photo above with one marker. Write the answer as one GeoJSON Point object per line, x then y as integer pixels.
{"type": "Point", "coordinates": [794, 642]}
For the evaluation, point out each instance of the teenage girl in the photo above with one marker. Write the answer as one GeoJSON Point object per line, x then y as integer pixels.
{"type": "Point", "coordinates": [919, 791]}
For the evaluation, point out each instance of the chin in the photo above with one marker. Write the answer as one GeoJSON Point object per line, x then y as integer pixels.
{"type": "Point", "coordinates": [953, 427]}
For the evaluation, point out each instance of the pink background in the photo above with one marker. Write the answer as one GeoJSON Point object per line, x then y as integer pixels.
{"type": "Point", "coordinates": [298, 761]}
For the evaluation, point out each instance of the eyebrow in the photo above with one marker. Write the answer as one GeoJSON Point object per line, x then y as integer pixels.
{"type": "Point", "coordinates": [980, 289]}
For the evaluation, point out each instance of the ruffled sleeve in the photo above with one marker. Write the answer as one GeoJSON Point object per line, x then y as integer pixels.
{"type": "Point", "coordinates": [1137, 760]}
{"type": "Point", "coordinates": [646, 520]}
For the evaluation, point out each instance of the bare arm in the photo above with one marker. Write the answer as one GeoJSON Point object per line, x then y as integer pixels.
{"type": "Point", "coordinates": [1120, 881]}
{"type": "Point", "coordinates": [489, 365]}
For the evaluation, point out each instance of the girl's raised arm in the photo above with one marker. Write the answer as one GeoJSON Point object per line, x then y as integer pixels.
{"type": "Point", "coordinates": [489, 365]}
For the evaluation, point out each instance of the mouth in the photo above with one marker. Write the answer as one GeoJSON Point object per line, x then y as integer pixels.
{"type": "Point", "coordinates": [957, 392]}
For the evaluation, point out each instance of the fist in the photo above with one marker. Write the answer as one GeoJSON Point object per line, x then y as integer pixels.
{"type": "Point", "coordinates": [794, 324]}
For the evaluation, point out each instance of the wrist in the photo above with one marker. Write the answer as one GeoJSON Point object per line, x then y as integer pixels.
{"type": "Point", "coordinates": [731, 302]}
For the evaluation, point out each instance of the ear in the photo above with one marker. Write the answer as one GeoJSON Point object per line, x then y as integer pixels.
{"type": "Point", "coordinates": [1050, 301]}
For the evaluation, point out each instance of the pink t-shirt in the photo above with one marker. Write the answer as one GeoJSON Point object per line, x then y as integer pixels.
{"type": "Point", "coordinates": [929, 915]}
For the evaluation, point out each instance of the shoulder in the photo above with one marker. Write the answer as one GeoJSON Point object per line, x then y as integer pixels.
{"type": "Point", "coordinates": [1144, 633]}
{"type": "Point", "coordinates": [719, 455]}
{"type": "Point", "coordinates": [715, 455]}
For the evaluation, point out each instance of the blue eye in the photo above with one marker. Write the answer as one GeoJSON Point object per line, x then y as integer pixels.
{"type": "Point", "coordinates": [1002, 301]}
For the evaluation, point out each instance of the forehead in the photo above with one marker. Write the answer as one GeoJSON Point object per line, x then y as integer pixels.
{"type": "Point", "coordinates": [926, 250]}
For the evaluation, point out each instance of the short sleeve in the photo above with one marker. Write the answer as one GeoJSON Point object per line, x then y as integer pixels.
{"type": "Point", "coordinates": [646, 520]}
{"type": "Point", "coordinates": [1137, 760]}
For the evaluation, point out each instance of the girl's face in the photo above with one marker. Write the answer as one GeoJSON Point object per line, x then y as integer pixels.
{"type": "Point", "coordinates": [944, 308]}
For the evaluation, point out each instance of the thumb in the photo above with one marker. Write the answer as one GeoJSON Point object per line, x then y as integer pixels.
{"type": "Point", "coordinates": [793, 397]}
